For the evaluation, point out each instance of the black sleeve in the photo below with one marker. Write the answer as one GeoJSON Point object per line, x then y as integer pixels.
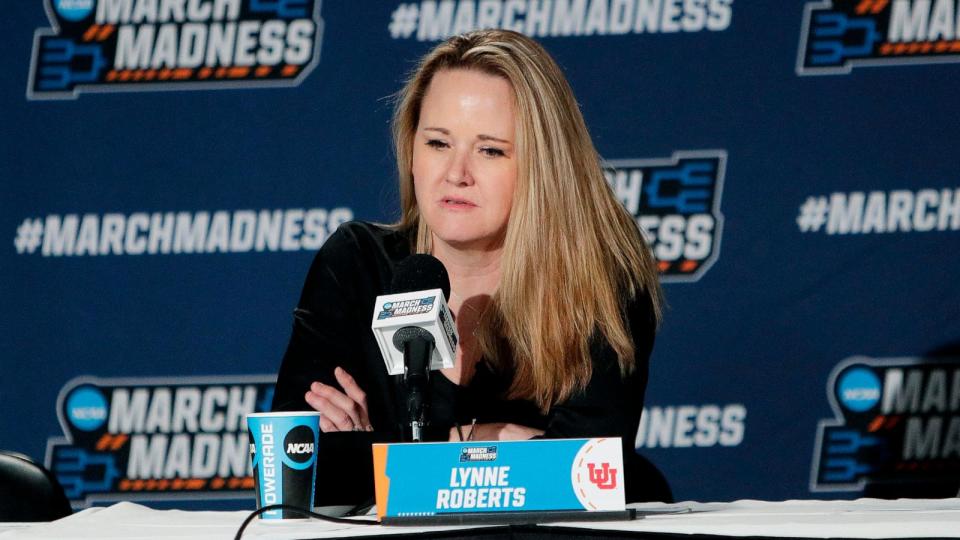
{"type": "Point", "coordinates": [611, 404]}
{"type": "Point", "coordinates": [331, 328]}
{"type": "Point", "coordinates": [325, 325]}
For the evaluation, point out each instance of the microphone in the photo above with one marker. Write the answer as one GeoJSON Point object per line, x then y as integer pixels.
{"type": "Point", "coordinates": [415, 331]}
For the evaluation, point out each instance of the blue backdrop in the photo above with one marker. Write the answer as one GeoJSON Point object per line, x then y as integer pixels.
{"type": "Point", "coordinates": [169, 173]}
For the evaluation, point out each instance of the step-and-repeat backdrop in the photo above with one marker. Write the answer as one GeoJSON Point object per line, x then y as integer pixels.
{"type": "Point", "coordinates": [170, 167]}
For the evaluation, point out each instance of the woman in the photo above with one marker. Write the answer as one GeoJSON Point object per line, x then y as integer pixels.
{"type": "Point", "coordinates": [555, 294]}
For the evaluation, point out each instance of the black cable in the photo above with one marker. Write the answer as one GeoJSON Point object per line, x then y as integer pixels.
{"type": "Point", "coordinates": [302, 511]}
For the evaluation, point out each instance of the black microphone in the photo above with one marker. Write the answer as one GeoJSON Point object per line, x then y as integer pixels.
{"type": "Point", "coordinates": [417, 273]}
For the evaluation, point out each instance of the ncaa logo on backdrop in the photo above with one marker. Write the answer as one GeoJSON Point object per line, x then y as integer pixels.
{"type": "Point", "coordinates": [676, 202]}
{"type": "Point", "coordinates": [897, 421]}
{"type": "Point", "coordinates": [839, 35]}
{"type": "Point", "coordinates": [156, 438]}
{"type": "Point", "coordinates": [130, 45]}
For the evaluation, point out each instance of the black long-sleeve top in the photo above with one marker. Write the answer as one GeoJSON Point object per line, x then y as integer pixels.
{"type": "Point", "coordinates": [332, 328]}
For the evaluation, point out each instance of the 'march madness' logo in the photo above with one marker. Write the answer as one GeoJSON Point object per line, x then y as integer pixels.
{"type": "Point", "coordinates": [153, 439]}
{"type": "Point", "coordinates": [839, 35]}
{"type": "Point", "coordinates": [127, 45]}
{"type": "Point", "coordinates": [676, 202]}
{"type": "Point", "coordinates": [896, 427]}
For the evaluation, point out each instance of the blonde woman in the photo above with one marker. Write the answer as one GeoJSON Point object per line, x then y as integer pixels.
{"type": "Point", "coordinates": [555, 294]}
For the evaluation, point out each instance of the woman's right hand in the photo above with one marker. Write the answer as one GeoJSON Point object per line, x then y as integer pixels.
{"type": "Point", "coordinates": [340, 411]}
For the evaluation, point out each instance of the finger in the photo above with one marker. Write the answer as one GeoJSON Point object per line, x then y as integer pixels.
{"type": "Point", "coordinates": [334, 414]}
{"type": "Point", "coordinates": [341, 400]}
{"type": "Point", "coordinates": [354, 392]}
{"type": "Point", "coordinates": [326, 425]}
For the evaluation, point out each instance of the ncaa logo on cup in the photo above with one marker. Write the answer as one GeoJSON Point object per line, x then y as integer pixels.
{"type": "Point", "coordinates": [299, 444]}
{"type": "Point", "coordinates": [858, 389]}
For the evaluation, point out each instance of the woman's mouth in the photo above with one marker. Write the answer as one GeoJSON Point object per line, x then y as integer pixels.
{"type": "Point", "coordinates": [456, 202]}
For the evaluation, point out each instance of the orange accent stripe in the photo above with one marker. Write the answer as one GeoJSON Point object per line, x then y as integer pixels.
{"type": "Point", "coordinates": [105, 32]}
{"type": "Point", "coordinates": [196, 483]}
{"type": "Point", "coordinates": [104, 441]}
{"type": "Point", "coordinates": [262, 71]}
{"type": "Point", "coordinates": [872, 6]}
{"type": "Point", "coordinates": [238, 72]}
{"type": "Point", "coordinates": [289, 70]}
{"type": "Point", "coordinates": [204, 73]}
{"type": "Point", "coordinates": [119, 441]}
{"type": "Point", "coordinates": [182, 73]}
{"type": "Point", "coordinates": [91, 32]}
{"type": "Point", "coordinates": [876, 423]}
{"type": "Point", "coordinates": [688, 266]}
{"type": "Point", "coordinates": [663, 266]}
{"type": "Point", "coordinates": [247, 483]}
{"type": "Point", "coordinates": [381, 480]}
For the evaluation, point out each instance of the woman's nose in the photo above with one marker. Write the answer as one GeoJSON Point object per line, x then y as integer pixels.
{"type": "Point", "coordinates": [458, 171]}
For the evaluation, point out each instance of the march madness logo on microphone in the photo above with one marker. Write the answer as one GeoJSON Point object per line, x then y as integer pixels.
{"type": "Point", "coordinates": [840, 35]}
{"type": "Point", "coordinates": [128, 45]}
{"type": "Point", "coordinates": [157, 438]}
{"type": "Point", "coordinates": [402, 308]}
{"type": "Point", "coordinates": [897, 421]}
{"type": "Point", "coordinates": [676, 202]}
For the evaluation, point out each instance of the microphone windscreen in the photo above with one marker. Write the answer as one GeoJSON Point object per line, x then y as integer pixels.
{"type": "Point", "coordinates": [418, 273]}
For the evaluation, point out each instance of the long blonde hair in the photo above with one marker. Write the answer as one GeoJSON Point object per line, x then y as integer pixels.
{"type": "Point", "coordinates": [571, 251]}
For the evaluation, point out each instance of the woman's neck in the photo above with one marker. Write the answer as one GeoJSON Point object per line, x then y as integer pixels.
{"type": "Point", "coordinates": [472, 272]}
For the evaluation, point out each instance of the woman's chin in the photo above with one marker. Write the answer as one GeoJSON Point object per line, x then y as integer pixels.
{"type": "Point", "coordinates": [470, 242]}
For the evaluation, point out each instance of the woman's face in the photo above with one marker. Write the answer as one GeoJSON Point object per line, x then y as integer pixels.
{"type": "Point", "coordinates": [464, 163]}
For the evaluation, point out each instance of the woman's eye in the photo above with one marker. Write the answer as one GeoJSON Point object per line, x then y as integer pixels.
{"type": "Point", "coordinates": [492, 152]}
{"type": "Point", "coordinates": [436, 143]}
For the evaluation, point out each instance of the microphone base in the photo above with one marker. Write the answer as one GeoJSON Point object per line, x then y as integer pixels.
{"type": "Point", "coordinates": [416, 431]}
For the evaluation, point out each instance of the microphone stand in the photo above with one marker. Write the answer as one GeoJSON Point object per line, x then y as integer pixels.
{"type": "Point", "coordinates": [416, 356]}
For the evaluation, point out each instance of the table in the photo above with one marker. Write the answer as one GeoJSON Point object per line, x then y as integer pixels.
{"type": "Point", "coordinates": [862, 518]}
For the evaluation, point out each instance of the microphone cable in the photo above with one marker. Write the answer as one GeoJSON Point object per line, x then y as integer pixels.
{"type": "Point", "coordinates": [302, 511]}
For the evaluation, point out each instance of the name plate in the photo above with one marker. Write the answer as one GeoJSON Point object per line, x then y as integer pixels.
{"type": "Point", "coordinates": [430, 479]}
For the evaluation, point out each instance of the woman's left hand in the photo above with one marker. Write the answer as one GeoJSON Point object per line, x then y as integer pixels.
{"type": "Point", "coordinates": [500, 431]}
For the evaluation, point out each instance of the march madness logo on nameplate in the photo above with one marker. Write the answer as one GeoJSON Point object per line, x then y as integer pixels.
{"type": "Point", "coordinates": [156, 439]}
{"type": "Point", "coordinates": [129, 45]}
{"type": "Point", "coordinates": [676, 202]}
{"type": "Point", "coordinates": [897, 422]}
{"type": "Point", "coordinates": [840, 35]}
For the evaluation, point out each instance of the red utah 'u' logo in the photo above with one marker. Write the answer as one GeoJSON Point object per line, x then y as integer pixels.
{"type": "Point", "coordinates": [603, 476]}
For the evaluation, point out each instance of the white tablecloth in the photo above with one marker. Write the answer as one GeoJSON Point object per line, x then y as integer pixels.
{"type": "Point", "coordinates": [863, 518]}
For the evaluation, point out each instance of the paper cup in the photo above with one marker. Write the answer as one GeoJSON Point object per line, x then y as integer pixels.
{"type": "Point", "coordinates": [283, 447]}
